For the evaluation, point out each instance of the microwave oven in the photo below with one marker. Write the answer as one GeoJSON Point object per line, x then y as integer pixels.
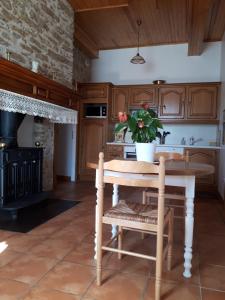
{"type": "Point", "coordinates": [95, 110]}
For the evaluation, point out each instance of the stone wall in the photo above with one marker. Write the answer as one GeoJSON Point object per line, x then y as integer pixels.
{"type": "Point", "coordinates": [43, 132]}
{"type": "Point", "coordinates": [40, 30]}
{"type": "Point", "coordinates": [81, 66]}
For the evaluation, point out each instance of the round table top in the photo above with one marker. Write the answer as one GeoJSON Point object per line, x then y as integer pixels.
{"type": "Point", "coordinates": [181, 168]}
{"type": "Point", "coordinates": [188, 168]}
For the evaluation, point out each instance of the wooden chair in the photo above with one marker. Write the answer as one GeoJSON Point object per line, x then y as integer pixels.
{"type": "Point", "coordinates": [134, 216]}
{"type": "Point", "coordinates": [149, 196]}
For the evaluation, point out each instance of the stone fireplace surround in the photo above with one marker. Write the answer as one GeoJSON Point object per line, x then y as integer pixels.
{"type": "Point", "coordinates": [41, 125]}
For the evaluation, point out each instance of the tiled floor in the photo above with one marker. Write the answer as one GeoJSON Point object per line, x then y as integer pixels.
{"type": "Point", "coordinates": [55, 260]}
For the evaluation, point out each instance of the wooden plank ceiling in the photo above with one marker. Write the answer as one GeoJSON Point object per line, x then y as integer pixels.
{"type": "Point", "coordinates": [111, 24]}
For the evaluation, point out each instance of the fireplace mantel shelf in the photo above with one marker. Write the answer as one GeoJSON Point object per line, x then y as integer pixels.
{"type": "Point", "coordinates": [18, 79]}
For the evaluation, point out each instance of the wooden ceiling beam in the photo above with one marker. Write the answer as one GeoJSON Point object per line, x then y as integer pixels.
{"type": "Point", "coordinates": [198, 16]}
{"type": "Point", "coordinates": [83, 41]}
{"type": "Point", "coordinates": [89, 5]}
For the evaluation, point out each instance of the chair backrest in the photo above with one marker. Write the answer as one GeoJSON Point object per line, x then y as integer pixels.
{"type": "Point", "coordinates": [131, 173]}
{"type": "Point", "coordinates": [173, 155]}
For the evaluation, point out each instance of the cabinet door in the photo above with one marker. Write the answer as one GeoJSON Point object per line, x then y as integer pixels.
{"type": "Point", "coordinates": [171, 102]}
{"type": "Point", "coordinates": [202, 102]}
{"type": "Point", "coordinates": [119, 102]}
{"type": "Point", "coordinates": [139, 95]}
{"type": "Point", "coordinates": [92, 141]}
{"type": "Point", "coordinates": [204, 156]}
{"type": "Point", "coordinates": [98, 90]}
{"type": "Point", "coordinates": [114, 151]}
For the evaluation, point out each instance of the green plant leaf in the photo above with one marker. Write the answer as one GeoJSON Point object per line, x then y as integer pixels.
{"type": "Point", "coordinates": [132, 123]}
{"type": "Point", "coordinates": [120, 127]}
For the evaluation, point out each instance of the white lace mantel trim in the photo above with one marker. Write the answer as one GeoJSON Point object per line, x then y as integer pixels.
{"type": "Point", "coordinates": [14, 102]}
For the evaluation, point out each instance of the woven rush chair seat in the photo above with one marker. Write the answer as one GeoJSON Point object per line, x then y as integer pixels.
{"type": "Point", "coordinates": [134, 212]}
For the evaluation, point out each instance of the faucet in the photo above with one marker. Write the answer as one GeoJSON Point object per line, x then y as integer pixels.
{"type": "Point", "coordinates": [193, 141]}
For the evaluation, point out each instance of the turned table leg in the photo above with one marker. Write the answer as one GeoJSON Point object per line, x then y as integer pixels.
{"type": "Point", "coordinates": [189, 225]}
{"type": "Point", "coordinates": [115, 200]}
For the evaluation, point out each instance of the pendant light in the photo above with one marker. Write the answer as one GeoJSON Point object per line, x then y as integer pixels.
{"type": "Point", "coordinates": [138, 59]}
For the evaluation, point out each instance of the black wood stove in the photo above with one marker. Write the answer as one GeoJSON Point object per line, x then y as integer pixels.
{"type": "Point", "coordinates": [20, 168]}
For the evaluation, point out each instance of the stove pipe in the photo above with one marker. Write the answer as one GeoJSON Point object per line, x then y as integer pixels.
{"type": "Point", "coordinates": [9, 124]}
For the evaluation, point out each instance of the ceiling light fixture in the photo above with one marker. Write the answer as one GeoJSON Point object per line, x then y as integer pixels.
{"type": "Point", "coordinates": [138, 59]}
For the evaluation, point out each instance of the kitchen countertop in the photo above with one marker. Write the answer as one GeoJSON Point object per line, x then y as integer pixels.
{"type": "Point", "coordinates": [169, 145]}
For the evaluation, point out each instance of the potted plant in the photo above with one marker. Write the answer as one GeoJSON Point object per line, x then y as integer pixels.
{"type": "Point", "coordinates": [144, 125]}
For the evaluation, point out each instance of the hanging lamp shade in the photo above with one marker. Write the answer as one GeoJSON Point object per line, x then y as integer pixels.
{"type": "Point", "coordinates": [138, 59]}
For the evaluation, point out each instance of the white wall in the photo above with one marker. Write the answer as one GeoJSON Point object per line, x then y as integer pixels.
{"type": "Point", "coordinates": [208, 134]}
{"type": "Point", "coordinates": [222, 151]}
{"type": "Point", "coordinates": [65, 150]}
{"type": "Point", "coordinates": [168, 62]}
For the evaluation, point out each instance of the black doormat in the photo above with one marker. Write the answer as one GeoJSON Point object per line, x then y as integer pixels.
{"type": "Point", "coordinates": [34, 215]}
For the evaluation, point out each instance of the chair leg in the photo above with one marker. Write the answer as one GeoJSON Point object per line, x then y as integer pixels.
{"type": "Point", "coordinates": [159, 258]}
{"type": "Point", "coordinates": [170, 240]}
{"type": "Point", "coordinates": [120, 241]}
{"type": "Point", "coordinates": [99, 255]}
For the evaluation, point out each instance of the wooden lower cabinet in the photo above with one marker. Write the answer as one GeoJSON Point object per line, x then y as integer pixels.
{"type": "Point", "coordinates": [206, 156]}
{"type": "Point", "coordinates": [113, 152]}
{"type": "Point", "coordinates": [92, 141]}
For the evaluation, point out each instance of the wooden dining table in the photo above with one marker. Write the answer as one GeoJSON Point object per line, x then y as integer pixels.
{"type": "Point", "coordinates": [178, 174]}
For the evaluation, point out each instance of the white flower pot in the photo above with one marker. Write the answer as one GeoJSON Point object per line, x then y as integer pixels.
{"type": "Point", "coordinates": [145, 151]}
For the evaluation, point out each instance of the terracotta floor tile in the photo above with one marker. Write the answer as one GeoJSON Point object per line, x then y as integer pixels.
{"type": "Point", "coordinates": [69, 277]}
{"type": "Point", "coordinates": [128, 264]}
{"type": "Point", "coordinates": [23, 242]}
{"type": "Point", "coordinates": [40, 293]}
{"type": "Point", "coordinates": [12, 290]}
{"type": "Point", "coordinates": [73, 233]}
{"type": "Point", "coordinates": [211, 249]}
{"type": "Point", "coordinates": [212, 295]}
{"type": "Point", "coordinates": [46, 229]}
{"type": "Point", "coordinates": [7, 256]}
{"type": "Point", "coordinates": [173, 291]}
{"type": "Point", "coordinates": [83, 254]}
{"type": "Point", "coordinates": [212, 277]}
{"type": "Point", "coordinates": [28, 269]}
{"type": "Point", "coordinates": [117, 286]}
{"type": "Point", "coordinates": [176, 273]}
{"type": "Point", "coordinates": [53, 248]}
{"type": "Point", "coordinates": [4, 234]}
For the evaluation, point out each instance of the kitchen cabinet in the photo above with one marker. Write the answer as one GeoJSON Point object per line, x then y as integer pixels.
{"type": "Point", "coordinates": [120, 98]}
{"type": "Point", "coordinates": [114, 151]}
{"type": "Point", "coordinates": [92, 141]}
{"type": "Point", "coordinates": [202, 102]}
{"type": "Point", "coordinates": [206, 156]}
{"type": "Point", "coordinates": [142, 94]}
{"type": "Point", "coordinates": [94, 90]}
{"type": "Point", "coordinates": [171, 102]}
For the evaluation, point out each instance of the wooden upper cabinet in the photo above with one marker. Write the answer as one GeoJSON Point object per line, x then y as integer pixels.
{"type": "Point", "coordinates": [119, 101]}
{"type": "Point", "coordinates": [171, 102]}
{"type": "Point", "coordinates": [202, 102]}
{"type": "Point", "coordinates": [142, 94]}
{"type": "Point", "coordinates": [95, 90]}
